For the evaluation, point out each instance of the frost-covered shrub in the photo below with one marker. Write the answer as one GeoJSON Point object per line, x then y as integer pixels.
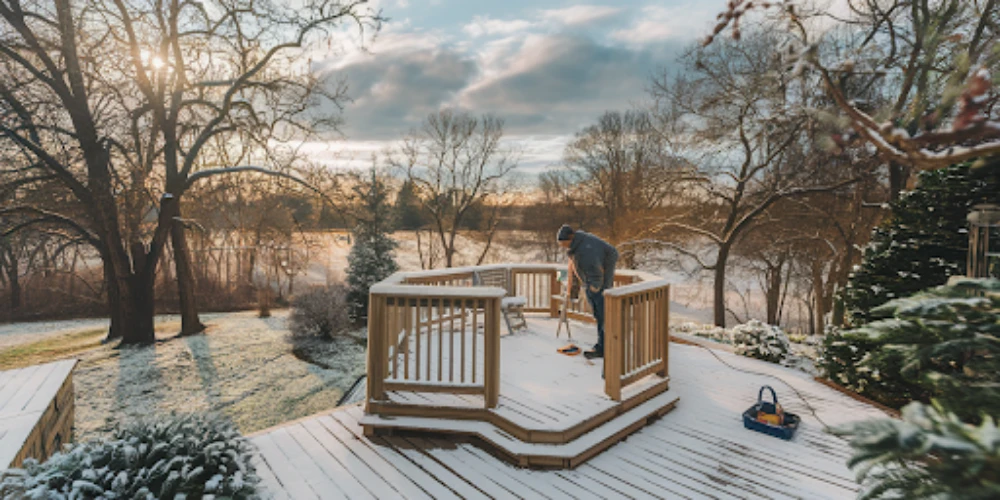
{"type": "Point", "coordinates": [322, 311]}
{"type": "Point", "coordinates": [756, 339]}
{"type": "Point", "coordinates": [188, 456]}
{"type": "Point", "coordinates": [710, 332]}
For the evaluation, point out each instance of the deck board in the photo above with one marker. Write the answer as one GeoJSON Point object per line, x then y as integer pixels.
{"type": "Point", "coordinates": [700, 450]}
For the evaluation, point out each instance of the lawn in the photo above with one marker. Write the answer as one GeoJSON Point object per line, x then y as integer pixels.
{"type": "Point", "coordinates": [242, 367]}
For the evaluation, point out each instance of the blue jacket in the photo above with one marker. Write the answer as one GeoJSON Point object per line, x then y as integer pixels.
{"type": "Point", "coordinates": [594, 259]}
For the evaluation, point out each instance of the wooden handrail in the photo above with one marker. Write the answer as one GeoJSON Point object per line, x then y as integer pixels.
{"type": "Point", "coordinates": [636, 334]}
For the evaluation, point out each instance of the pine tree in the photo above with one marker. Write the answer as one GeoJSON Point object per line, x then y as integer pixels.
{"type": "Point", "coordinates": [947, 342]}
{"type": "Point", "coordinates": [409, 214]}
{"type": "Point", "coordinates": [372, 258]}
{"type": "Point", "coordinates": [923, 242]}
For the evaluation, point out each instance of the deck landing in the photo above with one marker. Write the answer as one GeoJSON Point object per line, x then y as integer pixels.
{"type": "Point", "coordinates": [552, 410]}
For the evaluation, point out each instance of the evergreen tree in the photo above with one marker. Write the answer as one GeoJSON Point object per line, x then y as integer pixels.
{"type": "Point", "coordinates": [408, 211]}
{"type": "Point", "coordinates": [923, 242]}
{"type": "Point", "coordinates": [372, 258]}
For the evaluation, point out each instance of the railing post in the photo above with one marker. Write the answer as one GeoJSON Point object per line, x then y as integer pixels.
{"type": "Point", "coordinates": [491, 376]}
{"type": "Point", "coordinates": [665, 325]}
{"type": "Point", "coordinates": [554, 290]}
{"type": "Point", "coordinates": [376, 349]}
{"type": "Point", "coordinates": [613, 348]}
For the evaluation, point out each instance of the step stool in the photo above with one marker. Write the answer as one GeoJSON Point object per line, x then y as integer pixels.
{"type": "Point", "coordinates": [512, 309]}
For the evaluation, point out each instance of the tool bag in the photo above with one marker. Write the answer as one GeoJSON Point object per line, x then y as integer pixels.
{"type": "Point", "coordinates": [769, 417]}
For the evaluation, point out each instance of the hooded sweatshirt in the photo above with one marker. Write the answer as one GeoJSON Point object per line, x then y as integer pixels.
{"type": "Point", "coordinates": [595, 260]}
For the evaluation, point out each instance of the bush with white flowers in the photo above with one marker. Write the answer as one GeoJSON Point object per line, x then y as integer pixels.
{"type": "Point", "coordinates": [756, 339]}
{"type": "Point", "coordinates": [190, 456]}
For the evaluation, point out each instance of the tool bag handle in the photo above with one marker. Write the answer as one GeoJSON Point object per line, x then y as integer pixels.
{"type": "Point", "coordinates": [760, 395]}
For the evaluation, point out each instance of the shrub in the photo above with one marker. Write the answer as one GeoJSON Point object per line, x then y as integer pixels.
{"type": "Point", "coordinates": [945, 342]}
{"type": "Point", "coordinates": [930, 453]}
{"type": "Point", "coordinates": [322, 311]}
{"type": "Point", "coordinates": [845, 358]}
{"type": "Point", "coordinates": [187, 456]}
{"type": "Point", "coordinates": [710, 332]}
{"type": "Point", "coordinates": [759, 340]}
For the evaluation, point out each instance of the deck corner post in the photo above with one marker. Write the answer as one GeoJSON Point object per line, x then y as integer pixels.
{"type": "Point", "coordinates": [665, 308]}
{"type": "Point", "coordinates": [376, 349]}
{"type": "Point", "coordinates": [553, 291]}
{"type": "Point", "coordinates": [491, 376]}
{"type": "Point", "coordinates": [612, 348]}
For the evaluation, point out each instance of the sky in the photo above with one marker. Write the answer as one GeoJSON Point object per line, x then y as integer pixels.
{"type": "Point", "coordinates": [546, 67]}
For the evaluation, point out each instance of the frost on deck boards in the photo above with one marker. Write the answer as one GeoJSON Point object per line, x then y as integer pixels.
{"type": "Point", "coordinates": [699, 450]}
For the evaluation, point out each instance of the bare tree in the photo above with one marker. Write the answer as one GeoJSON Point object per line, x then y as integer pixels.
{"type": "Point", "coordinates": [107, 128]}
{"type": "Point", "coordinates": [456, 163]}
{"type": "Point", "coordinates": [732, 108]}
{"type": "Point", "coordinates": [936, 55]}
{"type": "Point", "coordinates": [627, 168]}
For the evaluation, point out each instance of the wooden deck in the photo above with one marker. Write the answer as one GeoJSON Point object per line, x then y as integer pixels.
{"type": "Point", "coordinates": [544, 397]}
{"type": "Point", "coordinates": [36, 411]}
{"type": "Point", "coordinates": [699, 450]}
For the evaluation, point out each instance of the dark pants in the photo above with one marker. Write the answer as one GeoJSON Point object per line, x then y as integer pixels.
{"type": "Point", "coordinates": [597, 306]}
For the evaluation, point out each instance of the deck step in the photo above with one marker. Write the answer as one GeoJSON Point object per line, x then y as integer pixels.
{"type": "Point", "coordinates": [568, 455]}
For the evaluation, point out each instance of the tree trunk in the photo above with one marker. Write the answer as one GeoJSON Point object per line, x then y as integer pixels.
{"type": "Point", "coordinates": [130, 298]}
{"type": "Point", "coordinates": [818, 297]}
{"type": "Point", "coordinates": [190, 322]}
{"type": "Point", "coordinates": [773, 293]}
{"type": "Point", "coordinates": [719, 292]}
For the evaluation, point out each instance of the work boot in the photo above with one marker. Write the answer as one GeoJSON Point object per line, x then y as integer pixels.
{"type": "Point", "coordinates": [594, 353]}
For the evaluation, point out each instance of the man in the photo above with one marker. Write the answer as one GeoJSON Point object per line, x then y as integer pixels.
{"type": "Point", "coordinates": [594, 262]}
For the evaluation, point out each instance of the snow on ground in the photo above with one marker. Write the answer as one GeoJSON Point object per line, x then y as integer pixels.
{"type": "Point", "coordinates": [12, 334]}
{"type": "Point", "coordinates": [242, 367]}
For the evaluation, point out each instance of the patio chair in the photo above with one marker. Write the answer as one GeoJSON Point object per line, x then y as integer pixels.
{"type": "Point", "coordinates": [511, 307]}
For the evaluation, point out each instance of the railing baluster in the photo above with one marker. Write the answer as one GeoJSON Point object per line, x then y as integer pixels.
{"type": "Point", "coordinates": [451, 340]}
{"type": "Point", "coordinates": [440, 335]}
{"type": "Point", "coordinates": [407, 326]}
{"type": "Point", "coordinates": [464, 333]}
{"type": "Point", "coordinates": [475, 335]}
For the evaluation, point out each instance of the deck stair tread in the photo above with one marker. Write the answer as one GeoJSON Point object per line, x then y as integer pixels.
{"type": "Point", "coordinates": [511, 444]}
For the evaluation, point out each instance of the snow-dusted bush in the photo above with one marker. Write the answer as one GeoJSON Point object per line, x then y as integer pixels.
{"type": "Point", "coordinates": [322, 311]}
{"type": "Point", "coordinates": [190, 456]}
{"type": "Point", "coordinates": [759, 340]}
{"type": "Point", "coordinates": [710, 332]}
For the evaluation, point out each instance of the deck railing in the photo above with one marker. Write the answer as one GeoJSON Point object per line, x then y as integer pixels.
{"type": "Point", "coordinates": [427, 339]}
{"type": "Point", "coordinates": [636, 334]}
{"type": "Point", "coordinates": [439, 331]}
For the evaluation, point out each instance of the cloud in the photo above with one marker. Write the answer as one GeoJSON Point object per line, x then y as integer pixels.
{"type": "Point", "coordinates": [394, 88]}
{"type": "Point", "coordinates": [658, 24]}
{"type": "Point", "coordinates": [484, 26]}
{"type": "Point", "coordinates": [578, 15]}
{"type": "Point", "coordinates": [560, 82]}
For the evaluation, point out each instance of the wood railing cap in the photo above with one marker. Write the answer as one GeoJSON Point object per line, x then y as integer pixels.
{"type": "Point", "coordinates": [642, 286]}
{"type": "Point", "coordinates": [476, 292]}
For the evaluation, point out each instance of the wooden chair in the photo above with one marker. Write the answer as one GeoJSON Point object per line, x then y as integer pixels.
{"type": "Point", "coordinates": [511, 307]}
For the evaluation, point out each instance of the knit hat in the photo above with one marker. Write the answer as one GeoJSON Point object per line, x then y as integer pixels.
{"type": "Point", "coordinates": [565, 233]}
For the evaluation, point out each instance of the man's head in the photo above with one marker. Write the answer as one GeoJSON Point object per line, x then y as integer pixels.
{"type": "Point", "coordinates": [565, 236]}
